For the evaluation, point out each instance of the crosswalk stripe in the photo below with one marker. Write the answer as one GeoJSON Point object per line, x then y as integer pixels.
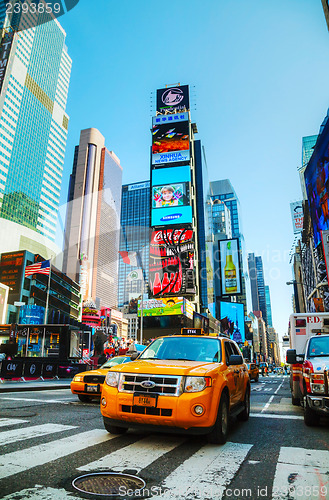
{"type": "Point", "coordinates": [206, 473]}
{"type": "Point", "coordinates": [276, 415]}
{"type": "Point", "coordinates": [41, 493]}
{"type": "Point", "coordinates": [136, 456]}
{"type": "Point", "coordinates": [23, 460]}
{"type": "Point", "coordinates": [29, 400]}
{"type": "Point", "coordinates": [301, 474]}
{"type": "Point", "coordinates": [32, 432]}
{"type": "Point", "coordinates": [6, 422]}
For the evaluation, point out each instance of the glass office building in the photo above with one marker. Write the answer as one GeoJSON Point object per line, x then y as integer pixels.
{"type": "Point", "coordinates": [308, 144]}
{"type": "Point", "coordinates": [261, 287]}
{"type": "Point", "coordinates": [135, 227]}
{"type": "Point", "coordinates": [268, 306]}
{"type": "Point", "coordinates": [33, 125]}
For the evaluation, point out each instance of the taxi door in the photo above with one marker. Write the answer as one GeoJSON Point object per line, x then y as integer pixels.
{"type": "Point", "coordinates": [232, 373]}
{"type": "Point", "coordinates": [242, 372]}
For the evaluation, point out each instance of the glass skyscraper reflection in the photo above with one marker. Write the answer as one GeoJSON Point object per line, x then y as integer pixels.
{"type": "Point", "coordinates": [34, 126]}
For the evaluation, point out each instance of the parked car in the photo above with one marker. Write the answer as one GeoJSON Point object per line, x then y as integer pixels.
{"type": "Point", "coordinates": [253, 371]}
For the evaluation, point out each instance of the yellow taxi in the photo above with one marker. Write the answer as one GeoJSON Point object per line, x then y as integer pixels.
{"type": "Point", "coordinates": [184, 383]}
{"type": "Point", "coordinates": [88, 385]}
{"type": "Point", "coordinates": [253, 371]}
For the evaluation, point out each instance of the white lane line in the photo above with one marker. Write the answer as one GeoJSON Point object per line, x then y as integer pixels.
{"type": "Point", "coordinates": [41, 493]}
{"type": "Point", "coordinates": [136, 456]}
{"type": "Point", "coordinates": [38, 400]}
{"type": "Point", "coordinates": [5, 422]}
{"type": "Point", "coordinates": [270, 415]}
{"type": "Point", "coordinates": [31, 432]}
{"type": "Point", "coordinates": [301, 474]}
{"type": "Point", "coordinates": [267, 404]}
{"type": "Point", "coordinates": [205, 474]}
{"type": "Point", "coordinates": [277, 390]}
{"type": "Point", "coordinates": [23, 460]}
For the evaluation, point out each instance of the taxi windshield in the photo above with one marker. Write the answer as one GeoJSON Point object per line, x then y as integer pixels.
{"type": "Point", "coordinates": [185, 349]}
{"type": "Point", "coordinates": [118, 360]}
{"type": "Point", "coordinates": [318, 346]}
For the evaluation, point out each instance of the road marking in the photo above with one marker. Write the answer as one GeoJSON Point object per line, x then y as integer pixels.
{"type": "Point", "coordinates": [270, 415]}
{"type": "Point", "coordinates": [38, 400]}
{"type": "Point", "coordinates": [205, 474]}
{"type": "Point", "coordinates": [277, 390]}
{"type": "Point", "coordinates": [136, 456]}
{"type": "Point", "coordinates": [5, 422]}
{"type": "Point", "coordinates": [302, 474]}
{"type": "Point", "coordinates": [41, 493]}
{"type": "Point", "coordinates": [23, 460]}
{"type": "Point", "coordinates": [31, 432]}
{"type": "Point", "coordinates": [267, 404]}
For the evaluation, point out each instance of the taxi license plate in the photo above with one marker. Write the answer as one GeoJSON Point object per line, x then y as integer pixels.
{"type": "Point", "coordinates": [145, 400]}
{"type": "Point", "coordinates": [92, 388]}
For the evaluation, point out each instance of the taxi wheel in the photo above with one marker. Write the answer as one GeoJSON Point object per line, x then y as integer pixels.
{"type": "Point", "coordinates": [84, 399]}
{"type": "Point", "coordinates": [220, 431]}
{"type": "Point", "coordinates": [114, 429]}
{"type": "Point", "coordinates": [244, 415]}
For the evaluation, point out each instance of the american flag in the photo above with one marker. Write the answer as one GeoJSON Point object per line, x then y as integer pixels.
{"type": "Point", "coordinates": [40, 268]}
{"type": "Point", "coordinates": [300, 331]}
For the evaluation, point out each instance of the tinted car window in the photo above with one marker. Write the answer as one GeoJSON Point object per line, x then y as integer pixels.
{"type": "Point", "coordinates": [184, 348]}
{"type": "Point", "coordinates": [235, 349]}
{"type": "Point", "coordinates": [228, 351]}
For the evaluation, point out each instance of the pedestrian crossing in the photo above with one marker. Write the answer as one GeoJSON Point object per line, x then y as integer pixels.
{"type": "Point", "coordinates": [202, 471]}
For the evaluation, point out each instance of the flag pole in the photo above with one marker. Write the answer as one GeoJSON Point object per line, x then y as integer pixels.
{"type": "Point", "coordinates": [140, 262]}
{"type": "Point", "coordinates": [48, 288]}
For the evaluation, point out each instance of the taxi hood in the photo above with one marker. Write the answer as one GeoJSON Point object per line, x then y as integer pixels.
{"type": "Point", "coordinates": [166, 367]}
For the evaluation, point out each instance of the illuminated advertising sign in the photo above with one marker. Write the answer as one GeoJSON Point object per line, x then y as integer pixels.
{"type": "Point", "coordinates": [5, 48]}
{"type": "Point", "coordinates": [171, 264]}
{"type": "Point", "coordinates": [317, 185]}
{"type": "Point", "coordinates": [167, 307]}
{"type": "Point", "coordinates": [230, 267]}
{"type": "Point", "coordinates": [297, 216]}
{"type": "Point", "coordinates": [232, 320]}
{"type": "Point", "coordinates": [173, 99]}
{"type": "Point", "coordinates": [170, 143]}
{"type": "Point", "coordinates": [3, 302]}
{"type": "Point", "coordinates": [11, 269]}
{"type": "Point", "coordinates": [171, 196]}
{"type": "Point", "coordinates": [31, 315]}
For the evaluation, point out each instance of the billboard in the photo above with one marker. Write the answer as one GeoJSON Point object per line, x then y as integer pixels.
{"type": "Point", "coordinates": [3, 303]}
{"type": "Point", "coordinates": [232, 320]}
{"type": "Point", "coordinates": [5, 48]}
{"type": "Point", "coordinates": [170, 143]}
{"type": "Point", "coordinates": [31, 315]}
{"type": "Point", "coordinates": [173, 99]}
{"type": "Point", "coordinates": [171, 263]}
{"type": "Point", "coordinates": [166, 307]}
{"type": "Point", "coordinates": [170, 196]}
{"type": "Point", "coordinates": [230, 267]}
{"type": "Point", "coordinates": [317, 185]}
{"type": "Point", "coordinates": [297, 216]}
{"type": "Point", "coordinates": [11, 272]}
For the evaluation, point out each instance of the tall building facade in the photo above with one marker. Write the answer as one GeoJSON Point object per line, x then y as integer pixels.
{"type": "Point", "coordinates": [134, 236]}
{"type": "Point", "coordinates": [261, 287]}
{"type": "Point", "coordinates": [268, 306]}
{"type": "Point", "coordinates": [308, 144]}
{"type": "Point", "coordinates": [92, 229]}
{"type": "Point", "coordinates": [223, 191]}
{"type": "Point", "coordinates": [34, 83]}
{"type": "Point", "coordinates": [253, 281]}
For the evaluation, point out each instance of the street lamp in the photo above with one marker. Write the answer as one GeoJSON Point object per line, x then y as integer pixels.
{"type": "Point", "coordinates": [295, 283]}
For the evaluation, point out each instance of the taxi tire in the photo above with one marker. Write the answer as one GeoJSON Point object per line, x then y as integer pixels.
{"type": "Point", "coordinates": [295, 401]}
{"type": "Point", "coordinates": [244, 415]}
{"type": "Point", "coordinates": [220, 431]}
{"type": "Point", "coordinates": [84, 399]}
{"type": "Point", "coordinates": [114, 429]}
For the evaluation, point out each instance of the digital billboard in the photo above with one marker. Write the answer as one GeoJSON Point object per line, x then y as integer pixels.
{"type": "Point", "coordinates": [170, 194]}
{"type": "Point", "coordinates": [166, 307]}
{"type": "Point", "coordinates": [171, 263]}
{"type": "Point", "coordinates": [230, 267]}
{"type": "Point", "coordinates": [173, 99]}
{"type": "Point", "coordinates": [232, 320]}
{"type": "Point", "coordinates": [170, 143]}
{"type": "Point", "coordinates": [297, 216]}
{"type": "Point", "coordinates": [317, 185]}
{"type": "Point", "coordinates": [11, 272]}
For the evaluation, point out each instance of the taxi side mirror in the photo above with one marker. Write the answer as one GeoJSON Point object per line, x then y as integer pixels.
{"type": "Point", "coordinates": [235, 359]}
{"type": "Point", "coordinates": [134, 356]}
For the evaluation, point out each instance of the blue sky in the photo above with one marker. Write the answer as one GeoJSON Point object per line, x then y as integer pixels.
{"type": "Point", "coordinates": [258, 72]}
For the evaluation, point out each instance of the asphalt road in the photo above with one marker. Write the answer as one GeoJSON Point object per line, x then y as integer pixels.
{"type": "Point", "coordinates": [49, 438]}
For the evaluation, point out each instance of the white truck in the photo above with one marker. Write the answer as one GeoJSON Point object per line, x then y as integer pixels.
{"type": "Point", "coordinates": [309, 359]}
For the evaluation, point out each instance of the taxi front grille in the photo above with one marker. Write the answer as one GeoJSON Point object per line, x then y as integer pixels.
{"type": "Point", "coordinates": [144, 410]}
{"type": "Point", "coordinates": [168, 385]}
{"type": "Point", "coordinates": [94, 379]}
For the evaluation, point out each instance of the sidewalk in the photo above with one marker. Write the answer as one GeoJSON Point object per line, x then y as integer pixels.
{"type": "Point", "coordinates": [34, 385]}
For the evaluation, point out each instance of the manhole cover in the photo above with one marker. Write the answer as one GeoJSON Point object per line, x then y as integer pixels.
{"type": "Point", "coordinates": [109, 483]}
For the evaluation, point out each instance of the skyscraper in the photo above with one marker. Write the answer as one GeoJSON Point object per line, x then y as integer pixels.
{"type": "Point", "coordinates": [268, 306]}
{"type": "Point", "coordinates": [308, 144]}
{"type": "Point", "coordinates": [34, 83]}
{"type": "Point", "coordinates": [261, 287]}
{"type": "Point", "coordinates": [92, 229]}
{"type": "Point", "coordinates": [135, 224]}
{"type": "Point", "coordinates": [253, 281]}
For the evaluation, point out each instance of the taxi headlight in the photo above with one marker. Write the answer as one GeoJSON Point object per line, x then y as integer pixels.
{"type": "Point", "coordinates": [78, 378]}
{"type": "Point", "coordinates": [195, 384]}
{"type": "Point", "coordinates": [112, 379]}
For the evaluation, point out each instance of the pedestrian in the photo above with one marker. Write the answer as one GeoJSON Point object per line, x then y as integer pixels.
{"type": "Point", "coordinates": [263, 370]}
{"type": "Point", "coordinates": [266, 371]}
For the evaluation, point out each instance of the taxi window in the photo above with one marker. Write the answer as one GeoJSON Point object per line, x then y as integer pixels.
{"type": "Point", "coordinates": [235, 349]}
{"type": "Point", "coordinates": [228, 351]}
